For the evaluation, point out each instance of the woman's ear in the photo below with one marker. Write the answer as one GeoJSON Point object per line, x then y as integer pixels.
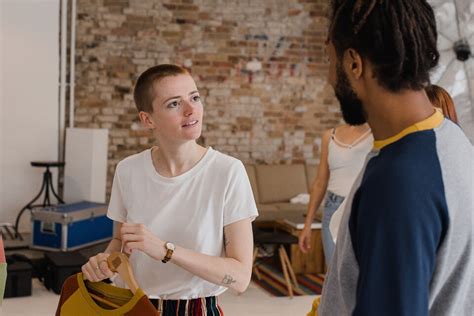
{"type": "Point", "coordinates": [147, 120]}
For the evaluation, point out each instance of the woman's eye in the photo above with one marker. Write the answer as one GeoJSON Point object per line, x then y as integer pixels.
{"type": "Point", "coordinates": [173, 104]}
{"type": "Point", "coordinates": [196, 98]}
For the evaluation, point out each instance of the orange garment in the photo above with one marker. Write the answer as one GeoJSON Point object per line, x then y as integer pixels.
{"type": "Point", "coordinates": [76, 299]}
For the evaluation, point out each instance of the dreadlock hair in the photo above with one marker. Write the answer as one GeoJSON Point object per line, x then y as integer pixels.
{"type": "Point", "coordinates": [398, 38]}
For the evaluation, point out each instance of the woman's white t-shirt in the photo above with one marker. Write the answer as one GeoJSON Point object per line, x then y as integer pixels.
{"type": "Point", "coordinates": [189, 210]}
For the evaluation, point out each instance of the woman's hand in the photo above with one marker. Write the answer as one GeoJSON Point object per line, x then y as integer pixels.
{"type": "Point", "coordinates": [305, 239]}
{"type": "Point", "coordinates": [138, 237]}
{"type": "Point", "coordinates": [97, 269]}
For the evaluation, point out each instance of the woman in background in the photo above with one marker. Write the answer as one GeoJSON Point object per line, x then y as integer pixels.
{"type": "Point", "coordinates": [441, 99]}
{"type": "Point", "coordinates": [343, 152]}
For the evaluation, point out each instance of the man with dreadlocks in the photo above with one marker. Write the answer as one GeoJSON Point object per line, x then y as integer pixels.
{"type": "Point", "coordinates": [405, 245]}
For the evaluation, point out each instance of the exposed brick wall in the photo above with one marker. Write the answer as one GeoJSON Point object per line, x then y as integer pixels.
{"type": "Point", "coordinates": [272, 115]}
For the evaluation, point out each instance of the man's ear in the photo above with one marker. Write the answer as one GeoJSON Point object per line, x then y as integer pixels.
{"type": "Point", "coordinates": [353, 63]}
{"type": "Point", "coordinates": [146, 120]}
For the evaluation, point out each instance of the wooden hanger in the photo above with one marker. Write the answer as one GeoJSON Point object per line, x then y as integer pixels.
{"type": "Point", "coordinates": [118, 262]}
{"type": "Point", "coordinates": [103, 300]}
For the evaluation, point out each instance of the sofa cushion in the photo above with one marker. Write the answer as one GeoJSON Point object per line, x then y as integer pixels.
{"type": "Point", "coordinates": [279, 183]}
{"type": "Point", "coordinates": [253, 181]}
{"type": "Point", "coordinates": [311, 171]}
{"type": "Point", "coordinates": [291, 207]}
{"type": "Point", "coordinates": [296, 208]}
{"type": "Point", "coordinates": [266, 207]}
{"type": "Point", "coordinates": [267, 215]}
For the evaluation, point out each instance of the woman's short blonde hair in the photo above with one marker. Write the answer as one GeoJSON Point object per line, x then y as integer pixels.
{"type": "Point", "coordinates": [144, 93]}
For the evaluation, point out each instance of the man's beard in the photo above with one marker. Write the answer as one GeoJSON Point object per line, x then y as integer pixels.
{"type": "Point", "coordinates": [351, 106]}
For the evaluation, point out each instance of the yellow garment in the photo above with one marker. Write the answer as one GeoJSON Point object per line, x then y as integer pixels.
{"type": "Point", "coordinates": [314, 308]}
{"type": "Point", "coordinates": [431, 122]}
{"type": "Point", "coordinates": [76, 300]}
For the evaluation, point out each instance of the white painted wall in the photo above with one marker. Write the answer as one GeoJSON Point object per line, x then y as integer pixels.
{"type": "Point", "coordinates": [29, 68]}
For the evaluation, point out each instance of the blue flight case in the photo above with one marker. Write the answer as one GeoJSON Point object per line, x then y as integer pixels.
{"type": "Point", "coordinates": [67, 227]}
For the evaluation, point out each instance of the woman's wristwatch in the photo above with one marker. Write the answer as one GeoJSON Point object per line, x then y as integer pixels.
{"type": "Point", "coordinates": [170, 247]}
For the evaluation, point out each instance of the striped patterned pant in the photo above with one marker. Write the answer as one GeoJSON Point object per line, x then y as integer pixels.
{"type": "Point", "coordinates": [195, 307]}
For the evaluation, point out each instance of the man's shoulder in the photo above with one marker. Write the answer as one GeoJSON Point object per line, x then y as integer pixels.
{"type": "Point", "coordinates": [411, 157]}
{"type": "Point", "coordinates": [397, 168]}
{"type": "Point", "coordinates": [405, 173]}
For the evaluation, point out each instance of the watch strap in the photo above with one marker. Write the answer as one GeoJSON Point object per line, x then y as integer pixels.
{"type": "Point", "coordinates": [169, 253]}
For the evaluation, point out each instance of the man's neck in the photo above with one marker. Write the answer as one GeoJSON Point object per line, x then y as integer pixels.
{"type": "Point", "coordinates": [390, 113]}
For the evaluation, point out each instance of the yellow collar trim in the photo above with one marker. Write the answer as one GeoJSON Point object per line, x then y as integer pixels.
{"type": "Point", "coordinates": [431, 122]}
{"type": "Point", "coordinates": [112, 291]}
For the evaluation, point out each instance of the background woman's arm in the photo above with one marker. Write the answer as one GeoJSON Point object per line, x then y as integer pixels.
{"type": "Point", "coordinates": [318, 190]}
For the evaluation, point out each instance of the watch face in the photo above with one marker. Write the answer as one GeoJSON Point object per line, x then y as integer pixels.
{"type": "Point", "coordinates": [170, 246]}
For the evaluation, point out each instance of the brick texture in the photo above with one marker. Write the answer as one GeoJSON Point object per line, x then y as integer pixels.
{"type": "Point", "coordinates": [260, 67]}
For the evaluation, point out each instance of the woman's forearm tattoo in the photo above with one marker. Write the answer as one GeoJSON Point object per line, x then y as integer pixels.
{"type": "Point", "coordinates": [228, 280]}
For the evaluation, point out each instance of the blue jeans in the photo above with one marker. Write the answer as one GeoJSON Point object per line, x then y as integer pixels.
{"type": "Point", "coordinates": [331, 204]}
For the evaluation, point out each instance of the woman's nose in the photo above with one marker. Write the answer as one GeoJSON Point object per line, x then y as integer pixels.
{"type": "Point", "coordinates": [188, 108]}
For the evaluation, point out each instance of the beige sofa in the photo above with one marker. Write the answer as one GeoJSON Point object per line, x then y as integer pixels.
{"type": "Point", "coordinates": [274, 185]}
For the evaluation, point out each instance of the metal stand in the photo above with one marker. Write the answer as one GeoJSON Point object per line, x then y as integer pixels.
{"type": "Point", "coordinates": [46, 186]}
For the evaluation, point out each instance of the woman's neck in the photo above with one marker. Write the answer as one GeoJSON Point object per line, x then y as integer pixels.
{"type": "Point", "coordinates": [171, 161]}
